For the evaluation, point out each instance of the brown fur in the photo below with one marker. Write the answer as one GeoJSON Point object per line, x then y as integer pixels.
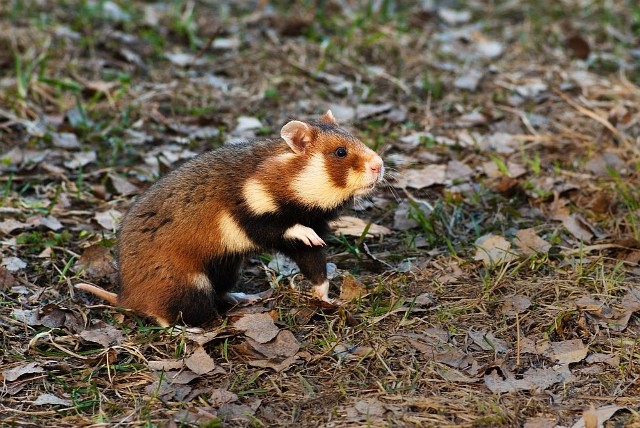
{"type": "Point", "coordinates": [181, 243]}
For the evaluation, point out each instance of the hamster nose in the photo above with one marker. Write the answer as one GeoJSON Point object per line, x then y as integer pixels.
{"type": "Point", "coordinates": [376, 165]}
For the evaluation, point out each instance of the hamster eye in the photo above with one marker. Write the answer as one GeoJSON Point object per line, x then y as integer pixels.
{"type": "Point", "coordinates": [341, 152]}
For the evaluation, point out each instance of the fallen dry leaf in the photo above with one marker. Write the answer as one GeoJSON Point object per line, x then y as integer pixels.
{"type": "Point", "coordinates": [514, 170]}
{"type": "Point", "coordinates": [423, 177]}
{"type": "Point", "coordinates": [593, 418]}
{"type": "Point", "coordinates": [454, 375]}
{"type": "Point", "coordinates": [452, 357]}
{"type": "Point", "coordinates": [65, 140]}
{"type": "Point", "coordinates": [629, 305]}
{"type": "Point", "coordinates": [8, 226]}
{"type": "Point", "coordinates": [616, 319]}
{"type": "Point", "coordinates": [55, 316]}
{"type": "Point", "coordinates": [165, 365]}
{"type": "Point", "coordinates": [401, 219]}
{"type": "Point", "coordinates": [540, 422]}
{"type": "Point", "coordinates": [471, 119]}
{"type": "Point", "coordinates": [489, 49]}
{"type": "Point", "coordinates": [180, 377]}
{"type": "Point", "coordinates": [7, 280]}
{"type": "Point", "coordinates": [493, 250]}
{"type": "Point", "coordinates": [259, 327]}
{"type": "Point", "coordinates": [469, 81]}
{"type": "Point", "coordinates": [500, 142]}
{"type": "Point", "coordinates": [14, 373]}
{"type": "Point", "coordinates": [353, 226]}
{"type": "Point", "coordinates": [123, 186]}
{"type": "Point", "coordinates": [370, 407]}
{"type": "Point", "coordinates": [221, 396]}
{"type": "Point", "coordinates": [202, 338]}
{"type": "Point", "coordinates": [530, 243]}
{"type": "Point", "coordinates": [247, 125]}
{"type": "Point", "coordinates": [575, 224]}
{"type": "Point", "coordinates": [595, 307]}
{"type": "Point", "coordinates": [108, 219]}
{"type": "Point", "coordinates": [170, 390]}
{"type": "Point", "coordinates": [80, 159]}
{"type": "Point", "coordinates": [351, 289]}
{"type": "Point", "coordinates": [13, 264]}
{"type": "Point", "coordinates": [364, 111]}
{"type": "Point", "coordinates": [283, 265]}
{"type": "Point", "coordinates": [28, 316]}
{"type": "Point", "coordinates": [199, 361]}
{"type": "Point", "coordinates": [453, 16]}
{"type": "Point", "coordinates": [285, 344]}
{"type": "Point", "coordinates": [534, 379]}
{"type": "Point", "coordinates": [103, 334]}
{"type": "Point", "coordinates": [96, 261]}
{"type": "Point", "coordinates": [278, 366]}
{"type": "Point", "coordinates": [196, 416]}
{"type": "Point", "coordinates": [348, 352]}
{"type": "Point", "coordinates": [457, 170]}
{"type": "Point", "coordinates": [51, 399]}
{"type": "Point", "coordinates": [569, 351]}
{"type": "Point", "coordinates": [233, 412]}
{"type": "Point", "coordinates": [488, 342]}
{"type": "Point", "coordinates": [514, 305]}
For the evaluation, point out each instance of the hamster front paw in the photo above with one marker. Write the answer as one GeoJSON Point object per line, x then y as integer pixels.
{"type": "Point", "coordinates": [304, 234]}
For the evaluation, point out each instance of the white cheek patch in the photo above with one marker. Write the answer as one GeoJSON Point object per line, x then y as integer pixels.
{"type": "Point", "coordinates": [304, 234]}
{"type": "Point", "coordinates": [201, 282]}
{"type": "Point", "coordinates": [313, 186]}
{"type": "Point", "coordinates": [354, 180]}
{"type": "Point", "coordinates": [232, 237]}
{"type": "Point", "coordinates": [258, 198]}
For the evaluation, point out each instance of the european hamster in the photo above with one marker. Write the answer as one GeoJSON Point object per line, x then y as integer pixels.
{"type": "Point", "coordinates": [181, 245]}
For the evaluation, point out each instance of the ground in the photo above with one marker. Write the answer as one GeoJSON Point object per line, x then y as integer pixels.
{"type": "Point", "coordinates": [493, 279]}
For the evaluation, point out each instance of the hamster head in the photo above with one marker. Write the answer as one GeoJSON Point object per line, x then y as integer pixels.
{"type": "Point", "coordinates": [335, 165]}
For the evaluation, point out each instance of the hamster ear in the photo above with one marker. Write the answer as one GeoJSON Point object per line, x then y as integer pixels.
{"type": "Point", "coordinates": [297, 135]}
{"type": "Point", "coordinates": [328, 118]}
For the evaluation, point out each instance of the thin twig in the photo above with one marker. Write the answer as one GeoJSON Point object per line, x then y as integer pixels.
{"type": "Point", "coordinates": [593, 115]}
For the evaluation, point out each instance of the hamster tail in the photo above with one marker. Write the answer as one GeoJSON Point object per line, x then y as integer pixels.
{"type": "Point", "coordinates": [112, 298]}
